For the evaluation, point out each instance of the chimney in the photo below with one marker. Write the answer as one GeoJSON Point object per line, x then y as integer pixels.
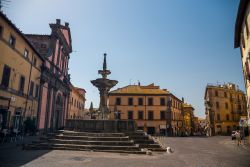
{"type": "Point", "coordinates": [66, 24]}
{"type": "Point", "coordinates": [182, 99]}
{"type": "Point", "coordinates": [58, 21]}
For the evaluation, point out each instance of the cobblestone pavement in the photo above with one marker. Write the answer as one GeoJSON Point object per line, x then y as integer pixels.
{"type": "Point", "coordinates": [188, 151]}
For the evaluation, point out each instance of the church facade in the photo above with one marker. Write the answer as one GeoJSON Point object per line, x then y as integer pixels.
{"type": "Point", "coordinates": [55, 80]}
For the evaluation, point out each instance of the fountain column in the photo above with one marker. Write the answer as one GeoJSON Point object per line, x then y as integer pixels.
{"type": "Point", "coordinates": [104, 85]}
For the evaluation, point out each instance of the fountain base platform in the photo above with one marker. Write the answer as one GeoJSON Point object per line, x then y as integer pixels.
{"type": "Point", "coordinates": [101, 126]}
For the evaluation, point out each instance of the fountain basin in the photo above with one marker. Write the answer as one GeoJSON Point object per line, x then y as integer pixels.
{"type": "Point", "coordinates": [101, 126]}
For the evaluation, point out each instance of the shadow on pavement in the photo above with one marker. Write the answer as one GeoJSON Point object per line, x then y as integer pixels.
{"type": "Point", "coordinates": [12, 154]}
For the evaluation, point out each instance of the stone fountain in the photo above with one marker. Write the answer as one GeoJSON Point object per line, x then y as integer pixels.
{"type": "Point", "coordinates": [104, 85]}
{"type": "Point", "coordinates": [102, 123]}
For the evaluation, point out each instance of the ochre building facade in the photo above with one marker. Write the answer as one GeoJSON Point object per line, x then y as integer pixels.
{"type": "Point", "coordinates": [188, 118]}
{"type": "Point", "coordinates": [155, 110]}
{"type": "Point", "coordinates": [76, 103]}
{"type": "Point", "coordinates": [20, 71]}
{"type": "Point", "coordinates": [225, 104]}
{"type": "Point", "coordinates": [242, 41]}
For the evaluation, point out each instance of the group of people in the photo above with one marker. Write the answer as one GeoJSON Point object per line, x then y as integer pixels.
{"type": "Point", "coordinates": [238, 136]}
{"type": "Point", "coordinates": [10, 135]}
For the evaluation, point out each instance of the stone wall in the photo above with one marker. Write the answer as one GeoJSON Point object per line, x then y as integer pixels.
{"type": "Point", "coordinates": [101, 125]}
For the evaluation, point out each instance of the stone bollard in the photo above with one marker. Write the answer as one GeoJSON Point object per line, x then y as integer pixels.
{"type": "Point", "coordinates": [148, 152]}
{"type": "Point", "coordinates": [169, 150]}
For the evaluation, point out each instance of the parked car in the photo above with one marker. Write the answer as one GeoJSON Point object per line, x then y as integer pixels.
{"type": "Point", "coordinates": [233, 135]}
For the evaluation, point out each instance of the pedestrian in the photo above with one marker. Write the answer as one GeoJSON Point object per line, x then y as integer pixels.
{"type": "Point", "coordinates": [238, 137]}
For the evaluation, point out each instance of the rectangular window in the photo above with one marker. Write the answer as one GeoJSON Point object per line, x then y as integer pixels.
{"type": "Point", "coordinates": [163, 115]}
{"type": "Point", "coordinates": [140, 101]}
{"type": "Point", "coordinates": [21, 84]}
{"type": "Point", "coordinates": [1, 31]}
{"type": "Point", "coordinates": [150, 115]}
{"type": "Point", "coordinates": [225, 94]}
{"type": "Point", "coordinates": [150, 101]}
{"type": "Point", "coordinates": [140, 115]}
{"type": "Point", "coordinates": [12, 41]}
{"type": "Point", "coordinates": [26, 53]}
{"type": "Point", "coordinates": [6, 76]}
{"type": "Point", "coordinates": [43, 45]}
{"type": "Point", "coordinates": [31, 88]}
{"type": "Point", "coordinates": [58, 56]}
{"type": "Point", "coordinates": [130, 114]}
{"type": "Point", "coordinates": [34, 62]}
{"type": "Point", "coordinates": [227, 117]}
{"type": "Point", "coordinates": [226, 105]}
{"type": "Point", "coordinates": [239, 107]}
{"type": "Point", "coordinates": [163, 103]}
{"type": "Point", "coordinates": [118, 115]}
{"type": "Point", "coordinates": [37, 91]}
{"type": "Point", "coordinates": [247, 28]}
{"type": "Point", "coordinates": [118, 101]}
{"type": "Point", "coordinates": [130, 101]}
{"type": "Point", "coordinates": [216, 93]}
{"type": "Point", "coordinates": [217, 105]}
{"type": "Point", "coordinates": [218, 117]}
{"type": "Point", "coordinates": [243, 41]}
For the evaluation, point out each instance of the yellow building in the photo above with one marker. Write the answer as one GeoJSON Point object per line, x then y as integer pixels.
{"type": "Point", "coordinates": [76, 103]}
{"type": "Point", "coordinates": [242, 41]}
{"type": "Point", "coordinates": [152, 108]}
{"type": "Point", "coordinates": [225, 104]}
{"type": "Point", "coordinates": [188, 115]}
{"type": "Point", "coordinates": [20, 71]}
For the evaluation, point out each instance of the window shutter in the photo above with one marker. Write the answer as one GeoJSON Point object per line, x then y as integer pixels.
{"type": "Point", "coordinates": [247, 69]}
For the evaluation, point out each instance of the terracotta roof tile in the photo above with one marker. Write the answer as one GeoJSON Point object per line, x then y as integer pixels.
{"type": "Point", "coordinates": [136, 89]}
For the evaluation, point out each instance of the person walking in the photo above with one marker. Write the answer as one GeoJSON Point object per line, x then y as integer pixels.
{"type": "Point", "coordinates": [238, 137]}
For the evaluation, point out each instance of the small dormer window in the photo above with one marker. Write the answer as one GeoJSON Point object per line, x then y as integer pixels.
{"type": "Point", "coordinates": [43, 45]}
{"type": "Point", "coordinates": [12, 41]}
{"type": "Point", "coordinates": [26, 53]}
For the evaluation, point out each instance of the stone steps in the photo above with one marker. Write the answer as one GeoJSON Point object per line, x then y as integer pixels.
{"type": "Point", "coordinates": [149, 146]}
{"type": "Point", "coordinates": [80, 149]}
{"type": "Point", "coordinates": [83, 147]}
{"type": "Point", "coordinates": [104, 142]}
{"type": "Point", "coordinates": [72, 133]}
{"type": "Point", "coordinates": [125, 138]}
{"type": "Point", "coordinates": [91, 142]}
{"type": "Point", "coordinates": [144, 141]}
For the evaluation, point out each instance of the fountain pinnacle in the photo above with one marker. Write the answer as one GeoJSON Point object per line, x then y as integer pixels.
{"type": "Point", "coordinates": [104, 85]}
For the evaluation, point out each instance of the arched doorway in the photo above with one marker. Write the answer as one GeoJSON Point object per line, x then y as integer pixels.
{"type": "Point", "coordinates": [58, 112]}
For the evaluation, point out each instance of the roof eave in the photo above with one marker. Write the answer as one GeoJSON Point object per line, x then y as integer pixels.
{"type": "Point", "coordinates": [239, 20]}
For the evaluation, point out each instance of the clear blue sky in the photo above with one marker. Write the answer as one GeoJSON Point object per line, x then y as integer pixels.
{"type": "Point", "coordinates": [180, 45]}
